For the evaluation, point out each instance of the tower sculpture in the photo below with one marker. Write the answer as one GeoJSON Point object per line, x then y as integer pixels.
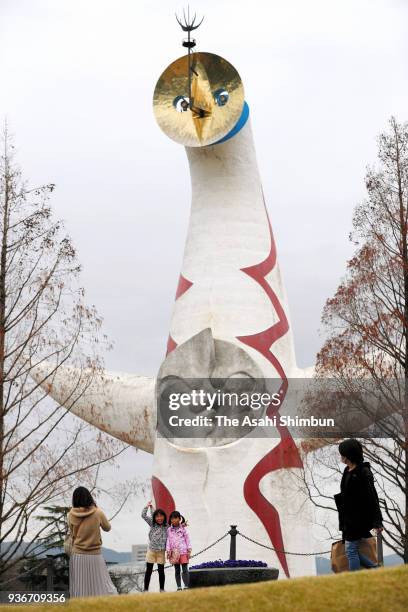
{"type": "Point", "coordinates": [230, 318]}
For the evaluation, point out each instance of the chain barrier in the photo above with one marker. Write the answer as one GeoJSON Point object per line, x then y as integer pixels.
{"type": "Point", "coordinates": [299, 554]}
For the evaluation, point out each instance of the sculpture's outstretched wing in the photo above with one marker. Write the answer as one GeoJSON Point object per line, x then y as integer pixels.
{"type": "Point", "coordinates": [122, 405]}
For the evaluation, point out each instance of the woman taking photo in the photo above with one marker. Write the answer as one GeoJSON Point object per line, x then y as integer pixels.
{"type": "Point", "coordinates": [88, 574]}
{"type": "Point", "coordinates": [357, 503]}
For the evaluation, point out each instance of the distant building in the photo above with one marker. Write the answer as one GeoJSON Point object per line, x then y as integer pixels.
{"type": "Point", "coordinates": [139, 553]}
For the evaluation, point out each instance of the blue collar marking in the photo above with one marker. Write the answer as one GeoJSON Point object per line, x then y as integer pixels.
{"type": "Point", "coordinates": [238, 126]}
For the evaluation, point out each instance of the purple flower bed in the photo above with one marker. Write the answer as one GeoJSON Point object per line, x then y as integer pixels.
{"type": "Point", "coordinates": [237, 563]}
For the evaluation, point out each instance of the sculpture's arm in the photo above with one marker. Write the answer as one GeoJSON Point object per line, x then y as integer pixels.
{"type": "Point", "coordinates": [122, 405]}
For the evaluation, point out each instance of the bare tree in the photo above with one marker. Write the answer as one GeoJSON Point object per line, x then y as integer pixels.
{"type": "Point", "coordinates": [44, 450]}
{"type": "Point", "coordinates": [367, 331]}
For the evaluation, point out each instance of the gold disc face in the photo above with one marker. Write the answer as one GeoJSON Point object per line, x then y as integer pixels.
{"type": "Point", "coordinates": [217, 100]}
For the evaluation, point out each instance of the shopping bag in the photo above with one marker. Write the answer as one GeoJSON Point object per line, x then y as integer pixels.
{"type": "Point", "coordinates": [339, 563]}
{"type": "Point", "coordinates": [338, 557]}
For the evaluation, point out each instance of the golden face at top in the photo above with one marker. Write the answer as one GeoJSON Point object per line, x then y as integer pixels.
{"type": "Point", "coordinates": [217, 100]}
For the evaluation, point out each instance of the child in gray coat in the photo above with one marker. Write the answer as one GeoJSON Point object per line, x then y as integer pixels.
{"type": "Point", "coordinates": [157, 522]}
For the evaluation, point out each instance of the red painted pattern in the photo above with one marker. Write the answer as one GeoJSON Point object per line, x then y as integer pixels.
{"type": "Point", "coordinates": [285, 454]}
{"type": "Point", "coordinates": [162, 497]}
{"type": "Point", "coordinates": [183, 285]}
{"type": "Point", "coordinates": [171, 345]}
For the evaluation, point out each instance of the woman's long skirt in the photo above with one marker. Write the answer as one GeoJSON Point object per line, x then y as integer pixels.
{"type": "Point", "coordinates": [89, 576]}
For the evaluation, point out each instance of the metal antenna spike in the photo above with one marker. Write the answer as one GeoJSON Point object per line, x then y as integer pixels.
{"type": "Point", "coordinates": [188, 26]}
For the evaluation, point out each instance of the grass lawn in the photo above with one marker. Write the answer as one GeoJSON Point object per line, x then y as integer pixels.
{"type": "Point", "coordinates": [383, 590]}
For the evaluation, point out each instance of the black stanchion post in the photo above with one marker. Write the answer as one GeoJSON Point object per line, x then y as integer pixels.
{"type": "Point", "coordinates": [233, 545]}
{"type": "Point", "coordinates": [50, 573]}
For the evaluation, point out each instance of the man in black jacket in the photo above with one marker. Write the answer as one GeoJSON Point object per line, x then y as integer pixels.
{"type": "Point", "coordinates": [357, 503]}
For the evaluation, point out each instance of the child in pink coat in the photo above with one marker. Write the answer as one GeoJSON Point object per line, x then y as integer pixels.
{"type": "Point", "coordinates": [178, 547]}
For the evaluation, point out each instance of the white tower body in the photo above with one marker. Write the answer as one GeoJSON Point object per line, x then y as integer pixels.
{"type": "Point", "coordinates": [231, 284]}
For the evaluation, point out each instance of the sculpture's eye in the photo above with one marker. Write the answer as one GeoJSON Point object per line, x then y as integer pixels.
{"type": "Point", "coordinates": [181, 104]}
{"type": "Point", "coordinates": [221, 97]}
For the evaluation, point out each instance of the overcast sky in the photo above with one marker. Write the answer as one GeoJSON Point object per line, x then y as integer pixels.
{"type": "Point", "coordinates": [321, 78]}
